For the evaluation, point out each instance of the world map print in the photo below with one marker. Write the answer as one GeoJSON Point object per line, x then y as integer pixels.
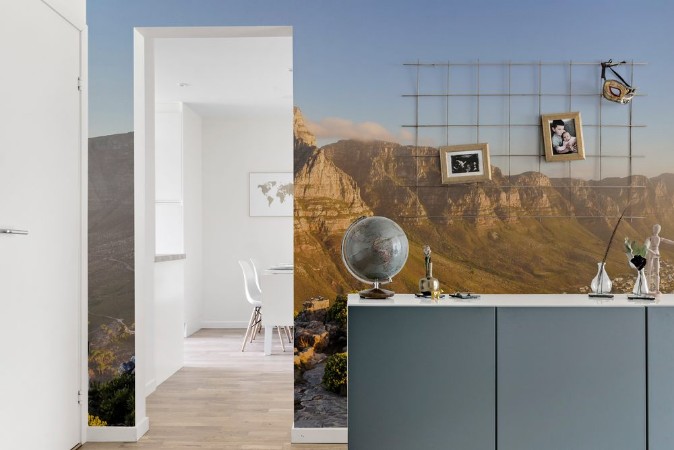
{"type": "Point", "coordinates": [271, 194]}
{"type": "Point", "coordinates": [274, 190]}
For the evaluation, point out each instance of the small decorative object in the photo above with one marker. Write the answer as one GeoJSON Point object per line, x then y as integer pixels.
{"type": "Point", "coordinates": [614, 90]}
{"type": "Point", "coordinates": [465, 163]}
{"type": "Point", "coordinates": [271, 194]}
{"type": "Point", "coordinates": [428, 285]}
{"type": "Point", "coordinates": [439, 294]}
{"type": "Point", "coordinates": [374, 249]}
{"type": "Point", "coordinates": [636, 257]}
{"type": "Point", "coordinates": [601, 284]}
{"type": "Point", "coordinates": [563, 136]}
{"type": "Point", "coordinates": [653, 256]}
{"type": "Point", "coordinates": [464, 295]}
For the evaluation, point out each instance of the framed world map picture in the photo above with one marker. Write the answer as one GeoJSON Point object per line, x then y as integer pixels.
{"type": "Point", "coordinates": [271, 194]}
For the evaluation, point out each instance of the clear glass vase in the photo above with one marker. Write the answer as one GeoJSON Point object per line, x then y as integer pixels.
{"type": "Point", "coordinates": [641, 284]}
{"type": "Point", "coordinates": [601, 283]}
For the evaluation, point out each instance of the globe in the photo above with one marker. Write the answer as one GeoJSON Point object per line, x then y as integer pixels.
{"type": "Point", "coordinates": [374, 250]}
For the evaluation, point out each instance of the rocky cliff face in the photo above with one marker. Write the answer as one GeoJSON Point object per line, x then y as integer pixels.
{"type": "Point", "coordinates": [300, 131]}
{"type": "Point", "coordinates": [327, 201]}
{"type": "Point", "coordinates": [304, 141]}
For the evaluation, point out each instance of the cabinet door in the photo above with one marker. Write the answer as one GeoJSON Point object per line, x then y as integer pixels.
{"type": "Point", "coordinates": [571, 379]}
{"type": "Point", "coordinates": [421, 378]}
{"type": "Point", "coordinates": [660, 375]}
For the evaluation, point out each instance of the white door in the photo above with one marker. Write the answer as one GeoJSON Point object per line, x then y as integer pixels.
{"type": "Point", "coordinates": [39, 193]}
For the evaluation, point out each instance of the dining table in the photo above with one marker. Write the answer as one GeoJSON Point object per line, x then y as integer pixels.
{"type": "Point", "coordinates": [277, 308]}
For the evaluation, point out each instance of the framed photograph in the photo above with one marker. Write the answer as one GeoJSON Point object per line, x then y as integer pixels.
{"type": "Point", "coordinates": [465, 163]}
{"type": "Point", "coordinates": [563, 136]}
{"type": "Point", "coordinates": [271, 194]}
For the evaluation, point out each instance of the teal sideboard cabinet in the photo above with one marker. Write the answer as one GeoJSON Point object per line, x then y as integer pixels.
{"type": "Point", "coordinates": [511, 372]}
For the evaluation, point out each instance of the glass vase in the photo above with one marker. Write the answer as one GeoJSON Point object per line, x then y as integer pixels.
{"type": "Point", "coordinates": [641, 284]}
{"type": "Point", "coordinates": [601, 283]}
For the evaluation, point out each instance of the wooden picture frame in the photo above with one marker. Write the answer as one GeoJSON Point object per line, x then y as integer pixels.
{"type": "Point", "coordinates": [465, 163]}
{"type": "Point", "coordinates": [563, 136]}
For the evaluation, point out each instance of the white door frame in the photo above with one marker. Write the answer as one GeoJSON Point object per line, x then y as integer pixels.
{"type": "Point", "coordinates": [72, 17]}
{"type": "Point", "coordinates": [144, 187]}
{"type": "Point", "coordinates": [84, 234]}
{"type": "Point", "coordinates": [74, 14]}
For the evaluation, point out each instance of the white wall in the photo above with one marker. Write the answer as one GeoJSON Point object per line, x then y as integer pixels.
{"type": "Point", "coordinates": [169, 316]}
{"type": "Point", "coordinates": [168, 313]}
{"type": "Point", "coordinates": [178, 284]}
{"type": "Point", "coordinates": [169, 179]}
{"type": "Point", "coordinates": [72, 10]}
{"type": "Point", "coordinates": [193, 221]}
{"type": "Point", "coordinates": [232, 148]}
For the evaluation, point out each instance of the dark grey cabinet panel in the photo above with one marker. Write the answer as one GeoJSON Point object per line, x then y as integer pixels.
{"type": "Point", "coordinates": [571, 379]}
{"type": "Point", "coordinates": [661, 378]}
{"type": "Point", "coordinates": [421, 378]}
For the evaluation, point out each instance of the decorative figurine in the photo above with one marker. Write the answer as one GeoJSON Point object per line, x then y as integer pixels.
{"type": "Point", "coordinates": [653, 256]}
{"type": "Point", "coordinates": [428, 285]}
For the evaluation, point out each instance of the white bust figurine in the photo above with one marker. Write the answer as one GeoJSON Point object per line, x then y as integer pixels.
{"type": "Point", "coordinates": [653, 257]}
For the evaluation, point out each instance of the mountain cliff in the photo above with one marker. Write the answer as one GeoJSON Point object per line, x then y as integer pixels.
{"type": "Point", "coordinates": [524, 233]}
{"type": "Point", "coordinates": [327, 201]}
{"type": "Point", "coordinates": [304, 141]}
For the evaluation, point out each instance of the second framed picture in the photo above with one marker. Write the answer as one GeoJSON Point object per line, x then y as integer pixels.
{"type": "Point", "coordinates": [563, 136]}
{"type": "Point", "coordinates": [465, 163]}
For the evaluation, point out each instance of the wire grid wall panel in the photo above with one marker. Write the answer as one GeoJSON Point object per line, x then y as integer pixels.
{"type": "Point", "coordinates": [502, 104]}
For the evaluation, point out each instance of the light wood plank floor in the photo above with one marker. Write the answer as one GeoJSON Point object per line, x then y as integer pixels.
{"type": "Point", "coordinates": [223, 399]}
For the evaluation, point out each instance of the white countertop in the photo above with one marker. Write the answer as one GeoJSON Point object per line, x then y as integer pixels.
{"type": "Point", "coordinates": [278, 272]}
{"type": "Point", "coordinates": [515, 300]}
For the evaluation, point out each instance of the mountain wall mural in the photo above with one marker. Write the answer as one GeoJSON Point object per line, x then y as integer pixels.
{"type": "Point", "coordinates": [111, 281]}
{"type": "Point", "coordinates": [526, 233]}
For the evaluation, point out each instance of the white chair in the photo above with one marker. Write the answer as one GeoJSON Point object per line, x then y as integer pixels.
{"type": "Point", "coordinates": [255, 264]}
{"type": "Point", "coordinates": [287, 329]}
{"type": "Point", "coordinates": [254, 297]}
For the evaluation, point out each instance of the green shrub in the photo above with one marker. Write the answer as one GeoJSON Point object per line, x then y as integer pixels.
{"type": "Point", "coordinates": [334, 378]}
{"type": "Point", "coordinates": [337, 312]}
{"type": "Point", "coordinates": [114, 402]}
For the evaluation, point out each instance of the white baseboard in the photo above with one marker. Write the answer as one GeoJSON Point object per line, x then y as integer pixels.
{"type": "Point", "coordinates": [150, 387]}
{"type": "Point", "coordinates": [118, 434]}
{"type": "Point", "coordinates": [319, 435]}
{"type": "Point", "coordinates": [190, 330]}
{"type": "Point", "coordinates": [223, 324]}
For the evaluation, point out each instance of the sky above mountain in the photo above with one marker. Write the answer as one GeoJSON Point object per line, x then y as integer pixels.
{"type": "Point", "coordinates": [349, 76]}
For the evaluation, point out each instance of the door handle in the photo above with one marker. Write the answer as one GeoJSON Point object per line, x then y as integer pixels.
{"type": "Point", "coordinates": [10, 231]}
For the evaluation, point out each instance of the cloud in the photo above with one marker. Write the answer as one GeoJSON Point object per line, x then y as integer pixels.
{"type": "Point", "coordinates": [336, 128]}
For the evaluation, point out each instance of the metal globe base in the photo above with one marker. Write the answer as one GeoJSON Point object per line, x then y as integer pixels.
{"type": "Point", "coordinates": [376, 293]}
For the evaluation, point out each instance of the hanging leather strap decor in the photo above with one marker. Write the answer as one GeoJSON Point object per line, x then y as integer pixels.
{"type": "Point", "coordinates": [614, 90]}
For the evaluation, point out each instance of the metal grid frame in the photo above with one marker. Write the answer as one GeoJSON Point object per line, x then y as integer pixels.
{"type": "Point", "coordinates": [570, 95]}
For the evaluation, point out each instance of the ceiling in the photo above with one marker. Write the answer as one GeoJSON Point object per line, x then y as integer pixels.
{"type": "Point", "coordinates": [225, 75]}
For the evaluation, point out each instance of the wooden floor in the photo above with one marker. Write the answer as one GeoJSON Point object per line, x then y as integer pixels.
{"type": "Point", "coordinates": [223, 399]}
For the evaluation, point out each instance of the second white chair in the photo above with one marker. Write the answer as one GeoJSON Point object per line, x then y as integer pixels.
{"type": "Point", "coordinates": [254, 297]}
{"type": "Point", "coordinates": [287, 329]}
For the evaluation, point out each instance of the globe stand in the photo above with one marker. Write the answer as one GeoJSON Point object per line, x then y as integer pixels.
{"type": "Point", "coordinates": [376, 292]}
